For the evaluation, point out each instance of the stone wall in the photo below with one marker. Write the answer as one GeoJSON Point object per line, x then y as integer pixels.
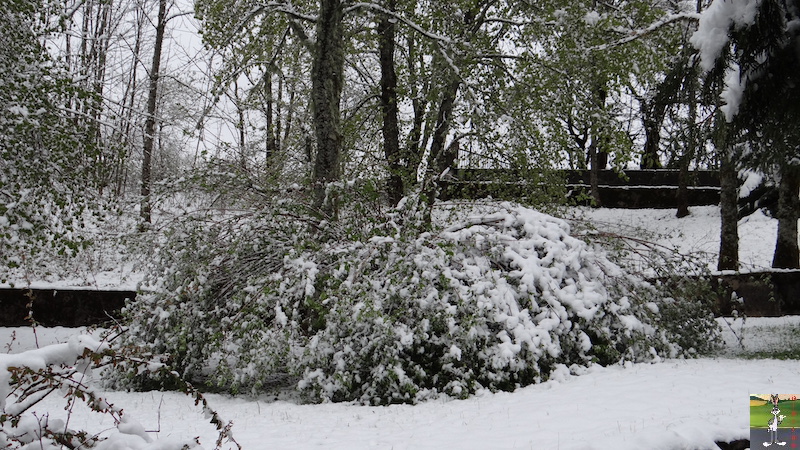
{"type": "Point", "coordinates": [636, 189]}
{"type": "Point", "coordinates": [65, 307]}
{"type": "Point", "coordinates": [764, 294]}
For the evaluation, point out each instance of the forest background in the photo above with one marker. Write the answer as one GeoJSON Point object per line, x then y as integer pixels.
{"type": "Point", "coordinates": [110, 104]}
{"type": "Point", "coordinates": [282, 178]}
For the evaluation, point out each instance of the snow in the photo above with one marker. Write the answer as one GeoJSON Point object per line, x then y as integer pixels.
{"type": "Point", "coordinates": [712, 33]}
{"type": "Point", "coordinates": [592, 18]}
{"type": "Point", "coordinates": [116, 274]}
{"type": "Point", "coordinates": [711, 38]}
{"type": "Point", "coordinates": [732, 92]}
{"type": "Point", "coordinates": [750, 180]}
{"type": "Point", "coordinates": [696, 235]}
{"type": "Point", "coordinates": [670, 405]}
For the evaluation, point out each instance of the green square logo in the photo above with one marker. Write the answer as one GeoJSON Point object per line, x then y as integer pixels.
{"type": "Point", "coordinates": [774, 420]}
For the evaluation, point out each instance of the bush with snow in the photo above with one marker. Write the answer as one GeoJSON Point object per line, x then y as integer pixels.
{"type": "Point", "coordinates": [211, 296]}
{"type": "Point", "coordinates": [498, 302]}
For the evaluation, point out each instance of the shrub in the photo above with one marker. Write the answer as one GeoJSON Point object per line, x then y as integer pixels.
{"type": "Point", "coordinates": [498, 302]}
{"type": "Point", "coordinates": [211, 296]}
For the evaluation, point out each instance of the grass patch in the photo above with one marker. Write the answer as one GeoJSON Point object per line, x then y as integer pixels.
{"type": "Point", "coordinates": [786, 354]}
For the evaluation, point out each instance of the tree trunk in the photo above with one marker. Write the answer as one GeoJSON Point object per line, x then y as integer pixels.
{"type": "Point", "coordinates": [652, 134]}
{"type": "Point", "coordinates": [682, 76]}
{"type": "Point", "coordinates": [436, 163]}
{"type": "Point", "coordinates": [602, 158]}
{"type": "Point", "coordinates": [653, 111]}
{"type": "Point", "coordinates": [99, 54]}
{"type": "Point", "coordinates": [690, 87]}
{"type": "Point", "coordinates": [598, 154]}
{"type": "Point", "coordinates": [272, 114]}
{"type": "Point", "coordinates": [594, 175]}
{"type": "Point", "coordinates": [240, 126]}
{"type": "Point", "coordinates": [729, 226]}
{"type": "Point", "coordinates": [787, 254]}
{"type": "Point", "coordinates": [150, 122]}
{"type": "Point", "coordinates": [327, 80]}
{"type": "Point", "coordinates": [123, 135]}
{"type": "Point", "coordinates": [437, 155]}
{"type": "Point", "coordinates": [418, 91]}
{"type": "Point", "coordinates": [682, 196]}
{"type": "Point", "coordinates": [287, 127]}
{"type": "Point", "coordinates": [391, 129]}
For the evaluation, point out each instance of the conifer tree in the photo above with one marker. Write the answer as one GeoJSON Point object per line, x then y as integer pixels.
{"type": "Point", "coordinates": [769, 58]}
{"type": "Point", "coordinates": [768, 53]}
{"type": "Point", "coordinates": [758, 64]}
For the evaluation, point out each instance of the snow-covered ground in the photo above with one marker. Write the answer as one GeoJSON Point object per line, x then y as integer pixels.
{"type": "Point", "coordinates": [676, 404]}
{"type": "Point", "coordinates": [697, 234]}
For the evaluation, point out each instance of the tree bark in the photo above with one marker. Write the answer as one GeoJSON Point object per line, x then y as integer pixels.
{"type": "Point", "coordinates": [787, 253]}
{"type": "Point", "coordinates": [436, 162]}
{"type": "Point", "coordinates": [99, 55]}
{"type": "Point", "coordinates": [326, 86]}
{"type": "Point", "coordinates": [150, 122]}
{"type": "Point", "coordinates": [123, 135]}
{"type": "Point", "coordinates": [682, 195]}
{"type": "Point", "coordinates": [390, 129]}
{"type": "Point", "coordinates": [598, 155]}
{"type": "Point", "coordinates": [692, 146]}
{"type": "Point", "coordinates": [594, 175]}
{"type": "Point", "coordinates": [240, 125]}
{"type": "Point", "coordinates": [273, 129]}
{"type": "Point", "coordinates": [418, 89]}
{"type": "Point", "coordinates": [652, 123]}
{"type": "Point", "coordinates": [654, 109]}
{"type": "Point", "coordinates": [729, 225]}
{"type": "Point", "coordinates": [436, 157]}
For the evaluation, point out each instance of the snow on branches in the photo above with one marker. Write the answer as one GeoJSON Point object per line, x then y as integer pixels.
{"type": "Point", "coordinates": [712, 34]}
{"type": "Point", "coordinates": [67, 370]}
{"type": "Point", "coordinates": [397, 316]}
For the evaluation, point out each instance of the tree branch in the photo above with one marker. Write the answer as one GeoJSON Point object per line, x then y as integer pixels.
{"type": "Point", "coordinates": [401, 18]}
{"type": "Point", "coordinates": [636, 34]}
{"type": "Point", "coordinates": [288, 9]}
